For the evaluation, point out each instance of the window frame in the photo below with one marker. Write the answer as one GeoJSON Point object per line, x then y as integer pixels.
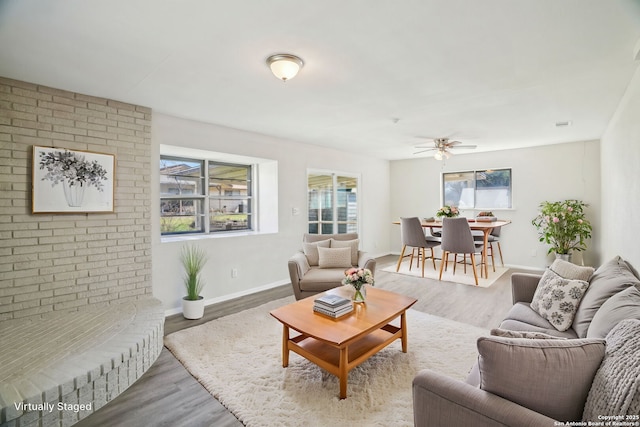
{"type": "Point", "coordinates": [207, 198]}
{"type": "Point", "coordinates": [475, 173]}
{"type": "Point", "coordinates": [335, 222]}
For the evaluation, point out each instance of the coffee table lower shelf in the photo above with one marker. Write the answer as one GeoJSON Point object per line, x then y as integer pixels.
{"type": "Point", "coordinates": [340, 359]}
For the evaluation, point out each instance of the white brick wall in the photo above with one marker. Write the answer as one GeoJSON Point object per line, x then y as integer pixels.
{"type": "Point", "coordinates": [62, 262]}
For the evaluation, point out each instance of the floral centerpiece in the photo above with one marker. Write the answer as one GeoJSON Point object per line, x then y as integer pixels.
{"type": "Point", "coordinates": [358, 277]}
{"type": "Point", "coordinates": [563, 225]}
{"type": "Point", "coordinates": [448, 211]}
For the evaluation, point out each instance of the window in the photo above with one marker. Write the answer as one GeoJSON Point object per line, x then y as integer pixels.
{"type": "Point", "coordinates": [187, 192]}
{"type": "Point", "coordinates": [485, 189]}
{"type": "Point", "coordinates": [333, 203]}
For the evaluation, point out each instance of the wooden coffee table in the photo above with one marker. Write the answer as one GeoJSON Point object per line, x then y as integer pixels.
{"type": "Point", "coordinates": [339, 345]}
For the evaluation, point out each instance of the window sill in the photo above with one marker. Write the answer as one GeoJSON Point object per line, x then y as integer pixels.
{"type": "Point", "coordinates": [220, 235]}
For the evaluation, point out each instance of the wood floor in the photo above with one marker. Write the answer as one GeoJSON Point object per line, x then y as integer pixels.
{"type": "Point", "coordinates": [167, 395]}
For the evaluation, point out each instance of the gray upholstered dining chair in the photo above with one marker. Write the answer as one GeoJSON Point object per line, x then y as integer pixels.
{"type": "Point", "coordinates": [457, 239]}
{"type": "Point", "coordinates": [413, 236]}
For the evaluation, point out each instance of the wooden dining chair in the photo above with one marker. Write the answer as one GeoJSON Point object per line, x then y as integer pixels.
{"type": "Point", "coordinates": [494, 237]}
{"type": "Point", "coordinates": [413, 236]}
{"type": "Point", "coordinates": [457, 239]}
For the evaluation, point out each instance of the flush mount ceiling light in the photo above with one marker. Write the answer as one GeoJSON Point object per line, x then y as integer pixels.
{"type": "Point", "coordinates": [284, 66]}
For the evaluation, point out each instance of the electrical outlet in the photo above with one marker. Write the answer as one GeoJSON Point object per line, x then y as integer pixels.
{"type": "Point", "coordinates": [234, 273]}
{"type": "Point", "coordinates": [295, 211]}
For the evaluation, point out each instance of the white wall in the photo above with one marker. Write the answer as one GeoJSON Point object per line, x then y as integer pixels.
{"type": "Point", "coordinates": [261, 259]}
{"type": "Point", "coordinates": [555, 172]}
{"type": "Point", "coordinates": [620, 150]}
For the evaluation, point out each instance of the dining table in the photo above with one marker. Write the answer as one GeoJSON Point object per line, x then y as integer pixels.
{"type": "Point", "coordinates": [485, 226]}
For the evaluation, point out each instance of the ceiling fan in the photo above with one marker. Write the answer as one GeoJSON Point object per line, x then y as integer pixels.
{"type": "Point", "coordinates": [442, 147]}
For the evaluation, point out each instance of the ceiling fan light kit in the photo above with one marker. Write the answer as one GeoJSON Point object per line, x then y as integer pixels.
{"type": "Point", "coordinates": [284, 65]}
{"type": "Point", "coordinates": [442, 147]}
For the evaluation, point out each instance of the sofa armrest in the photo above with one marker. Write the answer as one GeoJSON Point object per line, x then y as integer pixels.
{"type": "Point", "coordinates": [523, 286]}
{"type": "Point", "coordinates": [367, 261]}
{"type": "Point", "coordinates": [442, 401]}
{"type": "Point", "coordinates": [298, 267]}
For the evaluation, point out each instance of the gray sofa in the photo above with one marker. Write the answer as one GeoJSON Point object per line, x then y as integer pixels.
{"type": "Point", "coordinates": [317, 268]}
{"type": "Point", "coordinates": [530, 373]}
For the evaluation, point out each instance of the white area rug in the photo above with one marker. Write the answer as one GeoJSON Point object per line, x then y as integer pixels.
{"type": "Point", "coordinates": [448, 276]}
{"type": "Point", "coordinates": [238, 358]}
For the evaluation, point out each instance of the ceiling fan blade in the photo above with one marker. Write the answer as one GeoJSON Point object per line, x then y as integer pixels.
{"type": "Point", "coordinates": [465, 146]}
{"type": "Point", "coordinates": [451, 143]}
{"type": "Point", "coordinates": [424, 151]}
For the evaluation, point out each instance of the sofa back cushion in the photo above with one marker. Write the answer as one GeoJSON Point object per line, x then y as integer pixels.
{"type": "Point", "coordinates": [551, 377]}
{"type": "Point", "coordinates": [310, 238]}
{"type": "Point", "coordinates": [609, 279]}
{"type": "Point", "coordinates": [623, 305]}
{"type": "Point", "coordinates": [616, 385]}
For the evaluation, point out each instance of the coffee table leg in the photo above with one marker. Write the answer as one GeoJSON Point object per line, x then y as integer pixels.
{"type": "Point", "coordinates": [344, 373]}
{"type": "Point", "coordinates": [285, 346]}
{"type": "Point", "coordinates": [403, 327]}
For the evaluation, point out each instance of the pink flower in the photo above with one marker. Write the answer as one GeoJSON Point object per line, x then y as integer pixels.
{"type": "Point", "coordinates": [579, 221]}
{"type": "Point", "coordinates": [555, 219]}
{"type": "Point", "coordinates": [570, 209]}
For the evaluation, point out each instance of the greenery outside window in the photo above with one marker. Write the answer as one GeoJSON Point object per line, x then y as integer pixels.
{"type": "Point", "coordinates": [481, 189]}
{"type": "Point", "coordinates": [187, 192]}
{"type": "Point", "coordinates": [333, 203]}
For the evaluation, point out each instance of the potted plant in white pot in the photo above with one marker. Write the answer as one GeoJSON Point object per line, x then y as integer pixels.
{"type": "Point", "coordinates": [193, 259]}
{"type": "Point", "coordinates": [563, 225]}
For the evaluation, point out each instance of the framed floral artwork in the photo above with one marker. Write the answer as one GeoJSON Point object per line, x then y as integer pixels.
{"type": "Point", "coordinates": [70, 181]}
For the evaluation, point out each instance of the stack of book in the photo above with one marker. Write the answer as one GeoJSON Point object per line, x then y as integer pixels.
{"type": "Point", "coordinates": [332, 305]}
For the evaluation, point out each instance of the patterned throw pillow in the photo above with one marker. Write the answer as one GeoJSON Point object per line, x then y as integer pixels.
{"type": "Point", "coordinates": [556, 299]}
{"type": "Point", "coordinates": [506, 333]}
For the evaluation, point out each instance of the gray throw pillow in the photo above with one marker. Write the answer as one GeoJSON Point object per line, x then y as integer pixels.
{"type": "Point", "coordinates": [353, 244]}
{"type": "Point", "coordinates": [571, 271]}
{"type": "Point", "coordinates": [616, 385]}
{"type": "Point", "coordinates": [609, 279]}
{"type": "Point", "coordinates": [311, 250]}
{"type": "Point", "coordinates": [556, 299]}
{"type": "Point", "coordinates": [623, 305]}
{"type": "Point", "coordinates": [551, 377]}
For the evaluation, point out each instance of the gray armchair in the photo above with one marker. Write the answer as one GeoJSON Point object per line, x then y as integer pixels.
{"type": "Point", "coordinates": [309, 276]}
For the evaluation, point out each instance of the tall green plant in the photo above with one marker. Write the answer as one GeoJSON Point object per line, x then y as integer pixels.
{"type": "Point", "coordinates": [193, 259]}
{"type": "Point", "coordinates": [563, 225]}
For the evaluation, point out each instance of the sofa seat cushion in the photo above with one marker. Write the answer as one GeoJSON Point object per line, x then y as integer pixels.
{"type": "Point", "coordinates": [623, 305]}
{"type": "Point", "coordinates": [616, 386]}
{"type": "Point", "coordinates": [321, 279]}
{"type": "Point", "coordinates": [522, 317]}
{"type": "Point", "coordinates": [609, 279]}
{"type": "Point", "coordinates": [557, 299]}
{"type": "Point", "coordinates": [551, 377]}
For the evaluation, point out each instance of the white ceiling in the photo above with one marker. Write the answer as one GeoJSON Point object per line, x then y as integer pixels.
{"type": "Point", "coordinates": [377, 74]}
